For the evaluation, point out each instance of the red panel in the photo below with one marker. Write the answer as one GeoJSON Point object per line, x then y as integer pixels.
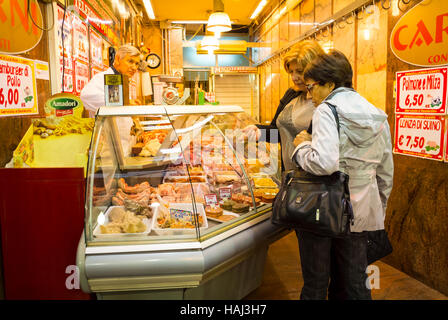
{"type": "Point", "coordinates": [41, 220]}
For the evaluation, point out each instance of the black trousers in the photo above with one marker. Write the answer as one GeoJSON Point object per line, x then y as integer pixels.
{"type": "Point", "coordinates": [342, 261]}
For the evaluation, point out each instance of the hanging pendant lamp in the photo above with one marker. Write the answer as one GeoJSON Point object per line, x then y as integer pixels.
{"type": "Point", "coordinates": [218, 21]}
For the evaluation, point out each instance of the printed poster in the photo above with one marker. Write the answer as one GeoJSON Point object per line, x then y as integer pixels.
{"type": "Point", "coordinates": [420, 136]}
{"type": "Point", "coordinates": [18, 95]}
{"type": "Point", "coordinates": [422, 91]}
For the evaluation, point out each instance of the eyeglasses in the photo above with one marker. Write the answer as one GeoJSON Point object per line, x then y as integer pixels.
{"type": "Point", "coordinates": [310, 86]}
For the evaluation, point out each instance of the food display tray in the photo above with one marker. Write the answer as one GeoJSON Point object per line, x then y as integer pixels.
{"type": "Point", "coordinates": [97, 231]}
{"type": "Point", "coordinates": [179, 231]}
{"type": "Point", "coordinates": [225, 212]}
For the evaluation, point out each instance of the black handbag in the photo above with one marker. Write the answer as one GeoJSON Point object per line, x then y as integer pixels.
{"type": "Point", "coordinates": [378, 245]}
{"type": "Point", "coordinates": [318, 204]}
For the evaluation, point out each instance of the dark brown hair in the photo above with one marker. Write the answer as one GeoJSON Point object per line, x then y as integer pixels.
{"type": "Point", "coordinates": [332, 67]}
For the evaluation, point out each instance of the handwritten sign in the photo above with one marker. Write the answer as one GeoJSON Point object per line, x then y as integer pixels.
{"type": "Point", "coordinates": [422, 91]}
{"type": "Point", "coordinates": [17, 86]}
{"type": "Point", "coordinates": [420, 136]}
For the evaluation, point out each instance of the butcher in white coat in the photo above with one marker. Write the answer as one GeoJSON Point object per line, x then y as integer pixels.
{"type": "Point", "coordinates": [126, 62]}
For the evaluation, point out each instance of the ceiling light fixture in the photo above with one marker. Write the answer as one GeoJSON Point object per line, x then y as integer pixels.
{"type": "Point", "coordinates": [149, 10]}
{"type": "Point", "coordinates": [260, 7]}
{"type": "Point", "coordinates": [210, 44]}
{"type": "Point", "coordinates": [218, 21]}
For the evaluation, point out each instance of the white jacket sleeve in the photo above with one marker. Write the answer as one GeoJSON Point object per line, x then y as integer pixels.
{"type": "Point", "coordinates": [385, 170]}
{"type": "Point", "coordinates": [92, 95]}
{"type": "Point", "coordinates": [321, 155]}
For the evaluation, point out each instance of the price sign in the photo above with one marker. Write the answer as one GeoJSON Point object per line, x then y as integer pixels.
{"type": "Point", "coordinates": [68, 35]}
{"type": "Point", "coordinates": [211, 199]}
{"type": "Point", "coordinates": [96, 49]}
{"type": "Point", "coordinates": [68, 74]}
{"type": "Point", "coordinates": [183, 215]}
{"type": "Point", "coordinates": [80, 40]}
{"type": "Point", "coordinates": [422, 91]}
{"type": "Point", "coordinates": [420, 136]}
{"type": "Point", "coordinates": [17, 86]}
{"type": "Point", "coordinates": [81, 76]}
{"type": "Point", "coordinates": [225, 193]}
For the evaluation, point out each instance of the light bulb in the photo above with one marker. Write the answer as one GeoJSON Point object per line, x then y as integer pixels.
{"type": "Point", "coordinates": [366, 34]}
{"type": "Point", "coordinates": [395, 10]}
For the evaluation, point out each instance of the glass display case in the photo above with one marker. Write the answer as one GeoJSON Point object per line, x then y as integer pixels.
{"type": "Point", "coordinates": [178, 204]}
{"type": "Point", "coordinates": [161, 173]}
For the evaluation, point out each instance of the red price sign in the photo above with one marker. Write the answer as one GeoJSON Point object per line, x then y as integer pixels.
{"type": "Point", "coordinates": [422, 91]}
{"type": "Point", "coordinates": [420, 136]}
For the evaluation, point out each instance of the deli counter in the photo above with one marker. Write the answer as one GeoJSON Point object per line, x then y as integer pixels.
{"type": "Point", "coordinates": [178, 204]}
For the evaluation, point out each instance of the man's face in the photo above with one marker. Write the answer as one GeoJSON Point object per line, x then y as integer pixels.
{"type": "Point", "coordinates": [128, 65]}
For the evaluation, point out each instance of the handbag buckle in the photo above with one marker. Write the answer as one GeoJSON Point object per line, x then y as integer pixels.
{"type": "Point", "coordinates": [299, 198]}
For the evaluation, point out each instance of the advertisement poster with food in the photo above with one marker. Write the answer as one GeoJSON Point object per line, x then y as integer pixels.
{"type": "Point", "coordinates": [422, 91]}
{"type": "Point", "coordinates": [420, 136]}
{"type": "Point", "coordinates": [17, 86]}
{"type": "Point", "coordinates": [81, 76]}
{"type": "Point", "coordinates": [80, 40]}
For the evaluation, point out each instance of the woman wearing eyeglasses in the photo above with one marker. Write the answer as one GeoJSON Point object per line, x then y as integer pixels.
{"type": "Point", "coordinates": [295, 111]}
{"type": "Point", "coordinates": [363, 151]}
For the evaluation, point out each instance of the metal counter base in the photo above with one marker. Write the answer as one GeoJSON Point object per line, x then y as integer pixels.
{"type": "Point", "coordinates": [234, 283]}
{"type": "Point", "coordinates": [228, 269]}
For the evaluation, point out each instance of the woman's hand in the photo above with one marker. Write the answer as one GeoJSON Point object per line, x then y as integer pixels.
{"type": "Point", "coordinates": [251, 132]}
{"type": "Point", "coordinates": [301, 137]}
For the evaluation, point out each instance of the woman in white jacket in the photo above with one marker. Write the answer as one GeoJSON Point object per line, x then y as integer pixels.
{"type": "Point", "coordinates": [363, 151]}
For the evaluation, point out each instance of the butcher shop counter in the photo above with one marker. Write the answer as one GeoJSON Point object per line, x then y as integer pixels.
{"type": "Point", "coordinates": [178, 204]}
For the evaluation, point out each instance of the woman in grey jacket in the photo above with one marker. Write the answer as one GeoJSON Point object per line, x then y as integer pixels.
{"type": "Point", "coordinates": [363, 151]}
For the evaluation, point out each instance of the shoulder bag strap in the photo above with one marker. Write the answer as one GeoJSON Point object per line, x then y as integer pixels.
{"type": "Point", "coordinates": [335, 113]}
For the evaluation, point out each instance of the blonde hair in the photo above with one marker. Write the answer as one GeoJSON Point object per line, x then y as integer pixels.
{"type": "Point", "coordinates": [303, 53]}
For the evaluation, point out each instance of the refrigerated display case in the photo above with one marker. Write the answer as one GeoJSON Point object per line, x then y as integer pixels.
{"type": "Point", "coordinates": [178, 204]}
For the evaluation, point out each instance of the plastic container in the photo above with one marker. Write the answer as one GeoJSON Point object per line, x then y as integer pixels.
{"type": "Point", "coordinates": [178, 231]}
{"type": "Point", "coordinates": [97, 231]}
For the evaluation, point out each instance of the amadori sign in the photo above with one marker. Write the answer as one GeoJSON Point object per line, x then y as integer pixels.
{"type": "Point", "coordinates": [16, 23]}
{"type": "Point", "coordinates": [420, 37]}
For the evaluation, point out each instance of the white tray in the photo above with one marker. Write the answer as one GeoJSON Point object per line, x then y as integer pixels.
{"type": "Point", "coordinates": [97, 231]}
{"type": "Point", "coordinates": [225, 212]}
{"type": "Point", "coordinates": [176, 231]}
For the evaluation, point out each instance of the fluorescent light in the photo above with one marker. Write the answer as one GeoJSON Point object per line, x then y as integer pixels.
{"type": "Point", "coordinates": [98, 20]}
{"type": "Point", "coordinates": [192, 21]}
{"type": "Point", "coordinates": [258, 9]}
{"type": "Point", "coordinates": [149, 9]}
